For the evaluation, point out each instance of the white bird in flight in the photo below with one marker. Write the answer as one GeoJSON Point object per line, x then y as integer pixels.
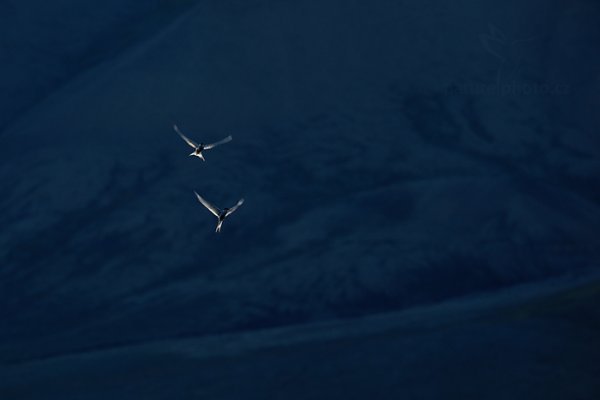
{"type": "Point", "coordinates": [220, 214]}
{"type": "Point", "coordinates": [199, 148]}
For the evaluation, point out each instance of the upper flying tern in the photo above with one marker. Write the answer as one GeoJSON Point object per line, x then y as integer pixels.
{"type": "Point", "coordinates": [199, 148]}
{"type": "Point", "coordinates": [220, 214]}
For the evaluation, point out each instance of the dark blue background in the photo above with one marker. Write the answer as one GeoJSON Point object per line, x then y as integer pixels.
{"type": "Point", "coordinates": [396, 157]}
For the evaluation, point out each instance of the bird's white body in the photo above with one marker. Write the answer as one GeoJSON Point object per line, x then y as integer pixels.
{"type": "Point", "coordinates": [199, 155]}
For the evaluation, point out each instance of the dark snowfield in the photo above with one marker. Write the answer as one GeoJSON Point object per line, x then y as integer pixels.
{"type": "Point", "coordinates": [422, 185]}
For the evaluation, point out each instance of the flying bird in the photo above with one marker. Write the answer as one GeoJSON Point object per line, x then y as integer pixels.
{"type": "Point", "coordinates": [220, 214]}
{"type": "Point", "coordinates": [199, 148]}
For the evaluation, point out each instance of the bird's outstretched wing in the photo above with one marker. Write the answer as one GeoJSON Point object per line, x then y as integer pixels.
{"type": "Point", "coordinates": [187, 140]}
{"type": "Point", "coordinates": [232, 209]}
{"type": "Point", "coordinates": [210, 207]}
{"type": "Point", "coordinates": [210, 146]}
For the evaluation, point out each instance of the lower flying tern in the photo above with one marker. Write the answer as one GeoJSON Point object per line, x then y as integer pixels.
{"type": "Point", "coordinates": [220, 214]}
